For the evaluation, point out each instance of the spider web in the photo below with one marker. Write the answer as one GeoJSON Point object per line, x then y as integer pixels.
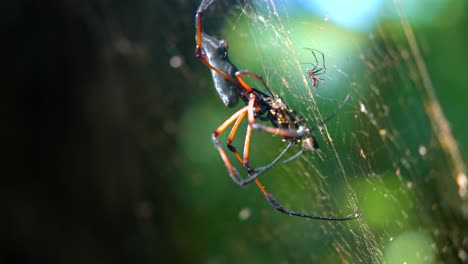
{"type": "Point", "coordinates": [389, 153]}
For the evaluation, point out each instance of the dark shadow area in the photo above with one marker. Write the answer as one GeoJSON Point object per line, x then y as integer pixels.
{"type": "Point", "coordinates": [88, 130]}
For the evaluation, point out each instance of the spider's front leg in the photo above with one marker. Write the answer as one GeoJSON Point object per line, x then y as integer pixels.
{"type": "Point", "coordinates": [237, 118]}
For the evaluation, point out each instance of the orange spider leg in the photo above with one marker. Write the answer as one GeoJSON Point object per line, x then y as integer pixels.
{"type": "Point", "coordinates": [232, 171]}
{"type": "Point", "coordinates": [249, 88]}
{"type": "Point", "coordinates": [231, 137]}
{"type": "Point", "coordinates": [199, 52]}
{"type": "Point", "coordinates": [245, 160]}
{"type": "Point", "coordinates": [248, 134]}
{"type": "Point", "coordinates": [237, 118]}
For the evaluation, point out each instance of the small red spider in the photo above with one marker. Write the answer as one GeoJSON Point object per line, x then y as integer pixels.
{"type": "Point", "coordinates": [316, 69]}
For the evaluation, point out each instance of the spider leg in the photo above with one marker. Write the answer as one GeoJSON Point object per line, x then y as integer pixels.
{"type": "Point", "coordinates": [292, 133]}
{"type": "Point", "coordinates": [237, 118]}
{"type": "Point", "coordinates": [321, 123]}
{"type": "Point", "coordinates": [249, 88]}
{"type": "Point", "coordinates": [199, 20]}
{"type": "Point", "coordinates": [318, 80]}
{"type": "Point", "coordinates": [232, 134]}
{"type": "Point", "coordinates": [244, 161]}
{"type": "Point", "coordinates": [231, 169]}
{"type": "Point", "coordinates": [283, 210]}
{"type": "Point", "coordinates": [324, 68]}
{"type": "Point", "coordinates": [276, 163]}
{"type": "Point", "coordinates": [253, 173]}
{"type": "Point", "coordinates": [200, 53]}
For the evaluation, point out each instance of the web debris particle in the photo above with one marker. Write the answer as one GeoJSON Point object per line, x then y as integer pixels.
{"type": "Point", "coordinates": [245, 214]}
{"type": "Point", "coordinates": [422, 150]}
{"type": "Point", "coordinates": [382, 132]}
{"type": "Point", "coordinates": [409, 185]}
{"type": "Point", "coordinates": [462, 182]}
{"type": "Point", "coordinates": [176, 61]}
{"type": "Point", "coordinates": [363, 107]}
{"type": "Point", "coordinates": [462, 255]}
{"type": "Point", "coordinates": [361, 152]}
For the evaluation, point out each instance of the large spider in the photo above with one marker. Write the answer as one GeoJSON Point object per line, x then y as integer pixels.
{"type": "Point", "coordinates": [230, 86]}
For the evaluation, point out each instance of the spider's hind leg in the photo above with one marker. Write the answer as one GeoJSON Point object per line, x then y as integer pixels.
{"type": "Point", "coordinates": [273, 202]}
